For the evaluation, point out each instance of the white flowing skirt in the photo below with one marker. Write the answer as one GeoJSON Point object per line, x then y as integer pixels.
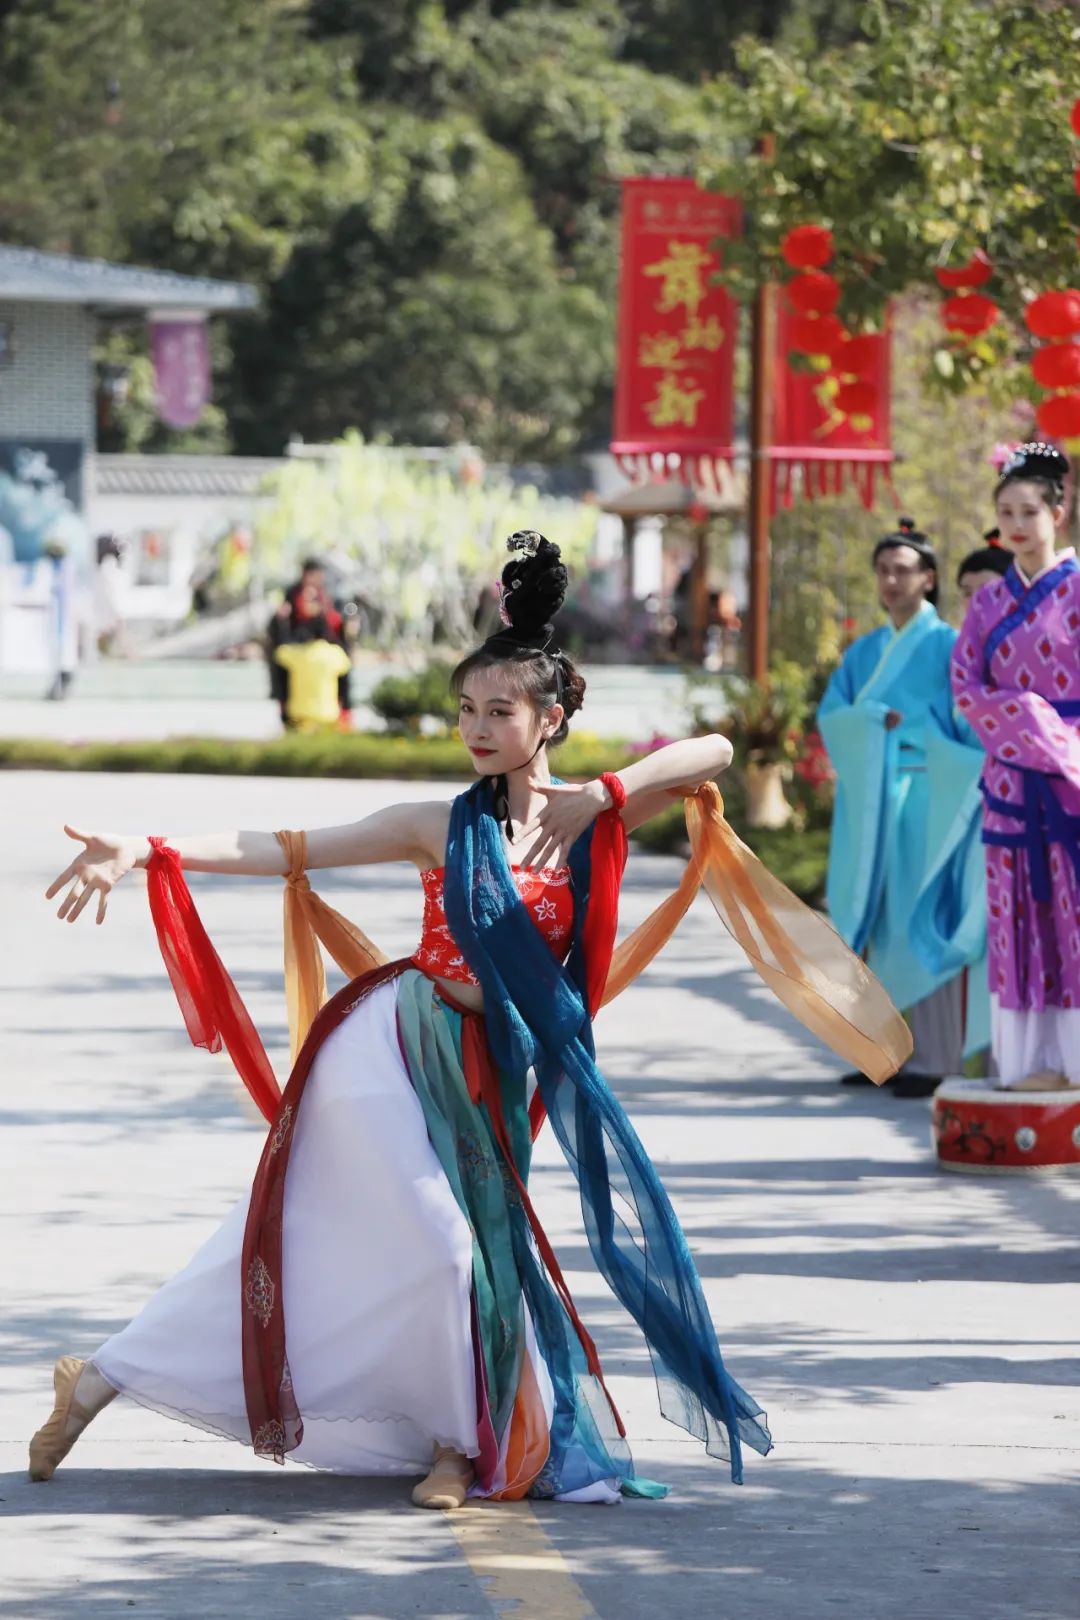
{"type": "Point", "coordinates": [376, 1273]}
{"type": "Point", "coordinates": [1028, 1041]}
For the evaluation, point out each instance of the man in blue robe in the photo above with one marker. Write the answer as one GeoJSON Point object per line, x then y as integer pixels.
{"type": "Point", "coordinates": [905, 882]}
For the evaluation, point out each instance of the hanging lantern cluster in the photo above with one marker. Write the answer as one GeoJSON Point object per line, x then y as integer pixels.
{"type": "Point", "coordinates": [812, 293]}
{"type": "Point", "coordinates": [817, 331]}
{"type": "Point", "coordinates": [1055, 317]}
{"type": "Point", "coordinates": [967, 313]}
{"type": "Point", "coordinates": [1055, 365]}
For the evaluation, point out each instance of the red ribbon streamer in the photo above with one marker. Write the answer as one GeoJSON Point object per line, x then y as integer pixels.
{"type": "Point", "coordinates": [210, 1003]}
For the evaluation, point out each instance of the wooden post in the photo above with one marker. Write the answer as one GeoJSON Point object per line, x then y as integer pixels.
{"type": "Point", "coordinates": [762, 349]}
{"type": "Point", "coordinates": [699, 592]}
{"type": "Point", "coordinates": [761, 389]}
{"type": "Point", "coordinates": [629, 531]}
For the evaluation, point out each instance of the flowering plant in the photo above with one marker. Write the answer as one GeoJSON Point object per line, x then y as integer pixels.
{"type": "Point", "coordinates": [764, 719]}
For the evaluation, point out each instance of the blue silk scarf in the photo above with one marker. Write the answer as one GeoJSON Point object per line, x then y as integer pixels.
{"type": "Point", "coordinates": [537, 1018]}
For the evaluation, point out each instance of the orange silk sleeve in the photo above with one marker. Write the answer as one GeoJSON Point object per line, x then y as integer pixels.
{"type": "Point", "coordinates": [309, 920]}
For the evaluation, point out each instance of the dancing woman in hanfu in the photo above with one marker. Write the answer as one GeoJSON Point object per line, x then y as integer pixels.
{"type": "Point", "coordinates": [386, 1295]}
{"type": "Point", "coordinates": [1016, 680]}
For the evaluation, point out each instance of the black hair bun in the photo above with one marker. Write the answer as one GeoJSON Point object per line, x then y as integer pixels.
{"type": "Point", "coordinates": [534, 585]}
{"type": "Point", "coordinates": [1037, 459]}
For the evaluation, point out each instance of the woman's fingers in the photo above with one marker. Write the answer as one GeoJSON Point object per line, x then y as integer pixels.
{"type": "Point", "coordinates": [80, 837]}
{"type": "Point", "coordinates": [58, 883]}
{"type": "Point", "coordinates": [70, 898]}
{"type": "Point", "coordinates": [102, 906]}
{"type": "Point", "coordinates": [82, 902]}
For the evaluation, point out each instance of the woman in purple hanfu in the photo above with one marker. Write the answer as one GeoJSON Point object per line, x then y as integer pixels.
{"type": "Point", "coordinates": [1016, 677]}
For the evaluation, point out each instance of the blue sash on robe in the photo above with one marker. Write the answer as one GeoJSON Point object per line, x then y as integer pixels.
{"type": "Point", "coordinates": [537, 1017]}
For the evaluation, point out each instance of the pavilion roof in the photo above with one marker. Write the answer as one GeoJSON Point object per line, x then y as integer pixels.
{"type": "Point", "coordinates": [30, 276]}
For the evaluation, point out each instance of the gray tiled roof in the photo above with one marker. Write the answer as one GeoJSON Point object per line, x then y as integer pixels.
{"type": "Point", "coordinates": [55, 278]}
{"type": "Point", "coordinates": [182, 475]}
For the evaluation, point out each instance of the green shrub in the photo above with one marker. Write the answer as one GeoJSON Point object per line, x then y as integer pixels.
{"type": "Point", "coordinates": [404, 701]}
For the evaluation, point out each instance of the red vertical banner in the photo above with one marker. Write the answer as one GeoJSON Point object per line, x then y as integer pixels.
{"type": "Point", "coordinates": [677, 328]}
{"type": "Point", "coordinates": [832, 417]}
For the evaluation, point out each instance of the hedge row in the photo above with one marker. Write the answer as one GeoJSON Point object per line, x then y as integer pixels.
{"type": "Point", "coordinates": [359, 754]}
{"type": "Point", "coordinates": [798, 857]}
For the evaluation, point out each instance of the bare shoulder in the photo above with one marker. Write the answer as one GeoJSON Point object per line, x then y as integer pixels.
{"type": "Point", "coordinates": [430, 822]}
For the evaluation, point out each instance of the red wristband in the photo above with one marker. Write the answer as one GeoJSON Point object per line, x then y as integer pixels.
{"type": "Point", "coordinates": [615, 788]}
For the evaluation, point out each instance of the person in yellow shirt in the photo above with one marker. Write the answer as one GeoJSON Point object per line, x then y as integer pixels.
{"type": "Point", "coordinates": [315, 665]}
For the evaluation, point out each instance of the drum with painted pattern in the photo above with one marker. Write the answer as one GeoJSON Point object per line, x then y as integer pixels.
{"type": "Point", "coordinates": [1005, 1132]}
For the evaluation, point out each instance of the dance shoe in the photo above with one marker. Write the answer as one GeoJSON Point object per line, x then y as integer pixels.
{"type": "Point", "coordinates": [69, 1416]}
{"type": "Point", "coordinates": [447, 1485]}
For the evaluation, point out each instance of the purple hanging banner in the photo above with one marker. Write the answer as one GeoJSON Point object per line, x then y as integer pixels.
{"type": "Point", "coordinates": [180, 346]}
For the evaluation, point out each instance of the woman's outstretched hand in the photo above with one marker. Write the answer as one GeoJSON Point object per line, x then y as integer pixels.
{"type": "Point", "coordinates": [96, 869]}
{"type": "Point", "coordinates": [569, 810]}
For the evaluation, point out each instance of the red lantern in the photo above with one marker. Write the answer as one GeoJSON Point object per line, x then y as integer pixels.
{"type": "Point", "coordinates": [856, 398]}
{"type": "Point", "coordinates": [858, 355]}
{"type": "Point", "coordinates": [814, 292]}
{"type": "Point", "coordinates": [1057, 366]}
{"type": "Point", "coordinates": [698, 513]}
{"type": "Point", "coordinates": [1074, 117]}
{"type": "Point", "coordinates": [816, 334]}
{"type": "Point", "coordinates": [1054, 314]}
{"type": "Point", "coordinates": [968, 314]}
{"type": "Point", "coordinates": [1059, 418]}
{"type": "Point", "coordinates": [807, 247]}
{"type": "Point", "coordinates": [976, 273]}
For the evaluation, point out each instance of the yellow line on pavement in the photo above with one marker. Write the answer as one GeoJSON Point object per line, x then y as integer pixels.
{"type": "Point", "coordinates": [507, 1550]}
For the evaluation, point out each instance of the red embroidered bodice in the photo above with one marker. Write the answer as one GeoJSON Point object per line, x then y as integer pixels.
{"type": "Point", "coordinates": [548, 899]}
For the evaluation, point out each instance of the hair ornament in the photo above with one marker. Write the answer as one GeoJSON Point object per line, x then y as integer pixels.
{"type": "Point", "coordinates": [1036, 459]}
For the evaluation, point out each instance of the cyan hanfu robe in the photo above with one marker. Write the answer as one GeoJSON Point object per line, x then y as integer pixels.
{"type": "Point", "coordinates": [904, 885]}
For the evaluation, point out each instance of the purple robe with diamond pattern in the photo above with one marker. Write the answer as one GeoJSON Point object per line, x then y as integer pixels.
{"type": "Point", "coordinates": [1016, 679]}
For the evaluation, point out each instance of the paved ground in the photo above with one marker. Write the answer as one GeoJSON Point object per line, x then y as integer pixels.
{"type": "Point", "coordinates": [912, 1335]}
{"type": "Point", "coordinates": [119, 701]}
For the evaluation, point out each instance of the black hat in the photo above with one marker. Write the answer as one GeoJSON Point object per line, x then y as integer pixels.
{"type": "Point", "coordinates": [906, 534]}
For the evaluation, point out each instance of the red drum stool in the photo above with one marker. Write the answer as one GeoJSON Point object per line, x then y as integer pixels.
{"type": "Point", "coordinates": [1005, 1132]}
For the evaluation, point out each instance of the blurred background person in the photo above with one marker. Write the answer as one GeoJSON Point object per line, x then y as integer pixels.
{"type": "Point", "coordinates": [315, 665]}
{"type": "Point", "coordinates": [306, 601]}
{"type": "Point", "coordinates": [109, 593]}
{"type": "Point", "coordinates": [978, 568]}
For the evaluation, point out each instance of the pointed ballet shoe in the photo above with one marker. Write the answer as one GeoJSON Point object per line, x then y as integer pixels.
{"type": "Point", "coordinates": [447, 1486]}
{"type": "Point", "coordinates": [68, 1418]}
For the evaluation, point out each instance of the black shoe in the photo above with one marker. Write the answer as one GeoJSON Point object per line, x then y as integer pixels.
{"type": "Point", "coordinates": [914, 1085]}
{"type": "Point", "coordinates": [855, 1078]}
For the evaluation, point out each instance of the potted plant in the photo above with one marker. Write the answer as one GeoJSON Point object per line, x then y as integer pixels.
{"type": "Point", "coordinates": [765, 722]}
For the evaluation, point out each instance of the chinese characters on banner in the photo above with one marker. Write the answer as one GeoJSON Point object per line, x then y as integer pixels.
{"type": "Point", "coordinates": [830, 428]}
{"type": "Point", "coordinates": [674, 383]}
{"type": "Point", "coordinates": [180, 347]}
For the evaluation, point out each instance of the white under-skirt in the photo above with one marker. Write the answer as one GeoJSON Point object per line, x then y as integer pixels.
{"type": "Point", "coordinates": [376, 1273]}
{"type": "Point", "coordinates": [1026, 1042]}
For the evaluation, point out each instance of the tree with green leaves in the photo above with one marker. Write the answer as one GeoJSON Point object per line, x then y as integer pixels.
{"type": "Point", "coordinates": [942, 130]}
